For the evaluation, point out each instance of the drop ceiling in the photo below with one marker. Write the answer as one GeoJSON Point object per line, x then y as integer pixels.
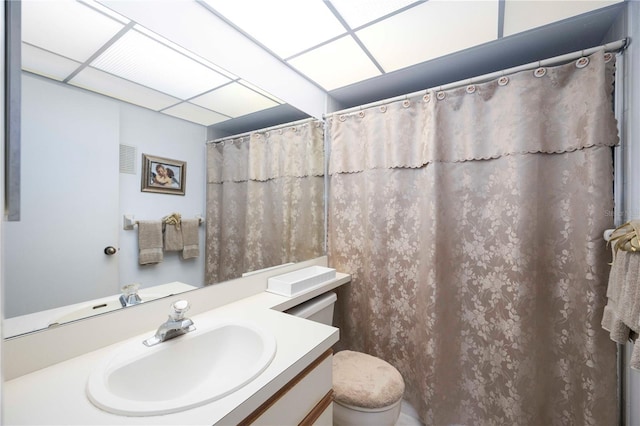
{"type": "Point", "coordinates": [333, 45]}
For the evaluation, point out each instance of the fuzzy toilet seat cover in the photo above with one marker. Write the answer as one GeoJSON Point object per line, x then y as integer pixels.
{"type": "Point", "coordinates": [365, 381]}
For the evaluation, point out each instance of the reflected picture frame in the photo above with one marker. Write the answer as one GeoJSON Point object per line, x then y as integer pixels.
{"type": "Point", "coordinates": [163, 175]}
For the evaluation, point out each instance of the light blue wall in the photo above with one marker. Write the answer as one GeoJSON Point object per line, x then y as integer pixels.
{"type": "Point", "coordinates": [159, 135]}
{"type": "Point", "coordinates": [100, 121]}
{"type": "Point", "coordinates": [62, 130]}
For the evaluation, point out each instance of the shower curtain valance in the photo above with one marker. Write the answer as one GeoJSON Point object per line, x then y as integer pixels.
{"type": "Point", "coordinates": [411, 128]}
{"type": "Point", "coordinates": [295, 151]}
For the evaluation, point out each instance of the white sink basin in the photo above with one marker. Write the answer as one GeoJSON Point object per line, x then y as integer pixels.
{"type": "Point", "coordinates": [182, 373]}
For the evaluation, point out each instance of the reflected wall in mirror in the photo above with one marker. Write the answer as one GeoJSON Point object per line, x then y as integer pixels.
{"type": "Point", "coordinates": [98, 90]}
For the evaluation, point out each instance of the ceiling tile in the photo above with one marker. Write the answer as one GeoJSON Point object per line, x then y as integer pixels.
{"type": "Point", "coordinates": [286, 27]}
{"type": "Point", "coordinates": [336, 64]}
{"type": "Point", "coordinates": [234, 100]}
{"type": "Point", "coordinates": [195, 114]}
{"type": "Point", "coordinates": [358, 13]}
{"type": "Point", "coordinates": [115, 87]}
{"type": "Point", "coordinates": [47, 64]}
{"type": "Point", "coordinates": [432, 29]}
{"type": "Point", "coordinates": [141, 59]}
{"type": "Point", "coordinates": [522, 15]}
{"type": "Point", "coordinates": [67, 28]}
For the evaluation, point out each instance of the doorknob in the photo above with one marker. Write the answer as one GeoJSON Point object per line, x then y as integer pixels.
{"type": "Point", "coordinates": [110, 251]}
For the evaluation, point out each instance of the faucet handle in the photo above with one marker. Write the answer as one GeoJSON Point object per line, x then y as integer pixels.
{"type": "Point", "coordinates": [178, 309]}
{"type": "Point", "coordinates": [130, 295]}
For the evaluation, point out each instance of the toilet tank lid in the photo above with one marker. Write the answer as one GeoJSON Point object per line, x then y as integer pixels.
{"type": "Point", "coordinates": [313, 306]}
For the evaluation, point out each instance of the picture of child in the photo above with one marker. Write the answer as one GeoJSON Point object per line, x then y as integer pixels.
{"type": "Point", "coordinates": [163, 176]}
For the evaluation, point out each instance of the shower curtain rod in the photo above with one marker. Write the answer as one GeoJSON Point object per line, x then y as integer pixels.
{"type": "Point", "coordinates": [267, 129]}
{"type": "Point", "coordinates": [609, 47]}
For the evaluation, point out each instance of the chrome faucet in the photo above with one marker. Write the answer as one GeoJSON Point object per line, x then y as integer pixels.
{"type": "Point", "coordinates": [175, 326]}
{"type": "Point", "coordinates": [130, 295]}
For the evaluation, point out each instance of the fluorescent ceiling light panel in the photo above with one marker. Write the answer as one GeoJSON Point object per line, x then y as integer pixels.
{"type": "Point", "coordinates": [210, 37]}
{"type": "Point", "coordinates": [259, 90]}
{"type": "Point", "coordinates": [524, 15]}
{"type": "Point", "coordinates": [358, 13]}
{"type": "Point", "coordinates": [286, 27]}
{"type": "Point", "coordinates": [234, 100]}
{"type": "Point", "coordinates": [105, 10]}
{"type": "Point", "coordinates": [115, 87]}
{"type": "Point", "coordinates": [47, 64]}
{"type": "Point", "coordinates": [67, 28]}
{"type": "Point", "coordinates": [185, 52]}
{"type": "Point", "coordinates": [336, 64]}
{"type": "Point", "coordinates": [195, 114]}
{"type": "Point", "coordinates": [430, 30]}
{"type": "Point", "coordinates": [141, 59]}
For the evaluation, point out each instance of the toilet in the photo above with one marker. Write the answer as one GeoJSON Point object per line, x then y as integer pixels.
{"type": "Point", "coordinates": [367, 390]}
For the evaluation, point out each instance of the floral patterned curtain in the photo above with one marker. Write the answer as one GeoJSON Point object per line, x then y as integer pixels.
{"type": "Point", "coordinates": [265, 200]}
{"type": "Point", "coordinates": [471, 221]}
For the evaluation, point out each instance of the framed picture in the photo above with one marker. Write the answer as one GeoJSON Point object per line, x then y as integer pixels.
{"type": "Point", "coordinates": [163, 175]}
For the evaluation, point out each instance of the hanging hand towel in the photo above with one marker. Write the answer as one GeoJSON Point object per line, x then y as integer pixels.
{"type": "Point", "coordinates": [190, 238]}
{"type": "Point", "coordinates": [173, 238]}
{"type": "Point", "coordinates": [621, 316]}
{"type": "Point", "coordinates": [172, 232]}
{"type": "Point", "coordinates": [150, 241]}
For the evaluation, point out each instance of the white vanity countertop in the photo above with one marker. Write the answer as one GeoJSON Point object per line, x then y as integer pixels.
{"type": "Point", "coordinates": [56, 395]}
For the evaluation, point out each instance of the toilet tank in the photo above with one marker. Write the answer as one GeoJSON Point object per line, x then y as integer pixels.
{"type": "Point", "coordinates": [319, 309]}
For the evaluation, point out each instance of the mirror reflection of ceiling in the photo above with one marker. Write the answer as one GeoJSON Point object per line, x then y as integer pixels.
{"type": "Point", "coordinates": [331, 43]}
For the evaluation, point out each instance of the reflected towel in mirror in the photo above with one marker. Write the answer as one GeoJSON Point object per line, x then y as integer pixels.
{"type": "Point", "coordinates": [173, 238]}
{"type": "Point", "coordinates": [150, 241]}
{"type": "Point", "coordinates": [190, 238]}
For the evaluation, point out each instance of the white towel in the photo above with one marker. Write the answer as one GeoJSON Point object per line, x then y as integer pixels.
{"type": "Point", "coordinates": [190, 238]}
{"type": "Point", "coordinates": [150, 241]}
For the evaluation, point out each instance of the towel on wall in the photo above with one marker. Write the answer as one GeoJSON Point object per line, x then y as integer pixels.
{"type": "Point", "coordinates": [172, 232]}
{"type": "Point", "coordinates": [190, 238]}
{"type": "Point", "coordinates": [173, 238]}
{"type": "Point", "coordinates": [150, 241]}
{"type": "Point", "coordinates": [621, 316]}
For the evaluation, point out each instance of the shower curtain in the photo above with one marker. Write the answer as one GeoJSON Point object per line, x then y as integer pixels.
{"type": "Point", "coordinates": [265, 200]}
{"type": "Point", "coordinates": [471, 221]}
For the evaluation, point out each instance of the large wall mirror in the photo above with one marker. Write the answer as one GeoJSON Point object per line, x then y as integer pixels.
{"type": "Point", "coordinates": [99, 90]}
{"type": "Point", "coordinates": [106, 81]}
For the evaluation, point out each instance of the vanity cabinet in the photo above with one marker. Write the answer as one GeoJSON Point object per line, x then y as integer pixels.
{"type": "Point", "coordinates": [306, 400]}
